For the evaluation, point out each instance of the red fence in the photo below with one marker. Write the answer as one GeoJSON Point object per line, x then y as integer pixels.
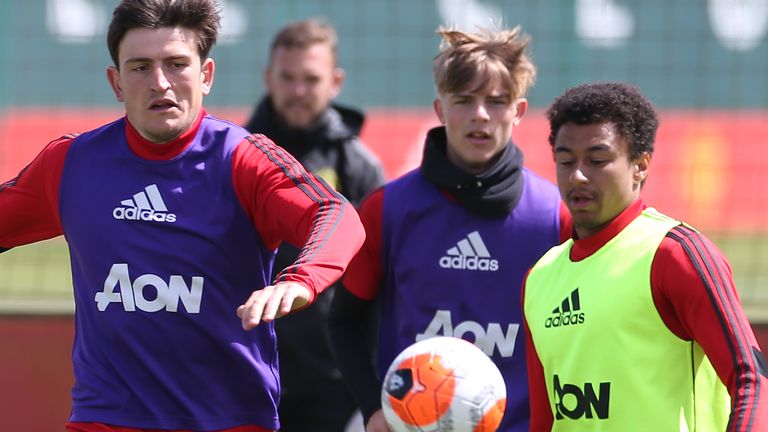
{"type": "Point", "coordinates": [710, 168]}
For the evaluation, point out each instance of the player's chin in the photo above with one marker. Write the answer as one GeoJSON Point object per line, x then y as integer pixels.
{"type": "Point", "coordinates": [586, 220]}
{"type": "Point", "coordinates": [480, 162]}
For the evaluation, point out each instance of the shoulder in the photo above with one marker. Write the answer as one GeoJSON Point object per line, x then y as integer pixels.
{"type": "Point", "coordinates": [55, 152]}
{"type": "Point", "coordinates": [534, 179]}
{"type": "Point", "coordinates": [256, 150]}
{"type": "Point", "coordinates": [540, 194]}
{"type": "Point", "coordinates": [405, 182]}
{"type": "Point", "coordinates": [373, 202]}
{"type": "Point", "coordinates": [220, 125]}
{"type": "Point", "coordinates": [686, 250]}
{"type": "Point", "coordinates": [685, 237]}
{"type": "Point", "coordinates": [103, 131]}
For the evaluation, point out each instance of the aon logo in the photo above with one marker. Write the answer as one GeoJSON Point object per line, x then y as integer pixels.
{"type": "Point", "coordinates": [118, 288]}
{"type": "Point", "coordinates": [576, 402]}
{"type": "Point", "coordinates": [489, 339]}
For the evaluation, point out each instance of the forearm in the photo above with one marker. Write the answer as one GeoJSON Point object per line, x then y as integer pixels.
{"type": "Point", "coordinates": [335, 235]}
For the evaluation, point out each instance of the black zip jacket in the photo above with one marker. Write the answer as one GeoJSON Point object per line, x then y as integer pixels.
{"type": "Point", "coordinates": [331, 149]}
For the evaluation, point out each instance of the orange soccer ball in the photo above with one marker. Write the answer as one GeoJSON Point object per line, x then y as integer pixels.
{"type": "Point", "coordinates": [443, 384]}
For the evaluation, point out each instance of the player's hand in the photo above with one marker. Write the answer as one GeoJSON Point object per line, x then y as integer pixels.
{"type": "Point", "coordinates": [272, 302]}
{"type": "Point", "coordinates": [377, 423]}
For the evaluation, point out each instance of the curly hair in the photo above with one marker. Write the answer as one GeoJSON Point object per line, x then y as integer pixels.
{"type": "Point", "coordinates": [610, 102]}
{"type": "Point", "coordinates": [491, 55]}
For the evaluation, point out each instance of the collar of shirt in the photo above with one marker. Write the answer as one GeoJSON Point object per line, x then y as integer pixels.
{"type": "Point", "coordinates": [152, 151]}
{"type": "Point", "coordinates": [583, 248]}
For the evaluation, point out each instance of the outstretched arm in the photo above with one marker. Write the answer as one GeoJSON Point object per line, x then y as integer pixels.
{"type": "Point", "coordinates": [286, 203]}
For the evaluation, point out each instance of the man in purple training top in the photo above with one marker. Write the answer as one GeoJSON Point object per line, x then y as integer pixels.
{"type": "Point", "coordinates": [172, 218]}
{"type": "Point", "coordinates": [447, 245]}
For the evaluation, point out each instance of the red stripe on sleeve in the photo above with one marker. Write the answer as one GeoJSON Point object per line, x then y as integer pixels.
{"type": "Point", "coordinates": [693, 290]}
{"type": "Point", "coordinates": [317, 189]}
{"type": "Point", "coordinates": [286, 203]}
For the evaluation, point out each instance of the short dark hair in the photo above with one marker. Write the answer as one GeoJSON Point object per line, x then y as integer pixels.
{"type": "Point", "coordinates": [201, 16]}
{"type": "Point", "coordinates": [621, 104]}
{"type": "Point", "coordinates": [303, 34]}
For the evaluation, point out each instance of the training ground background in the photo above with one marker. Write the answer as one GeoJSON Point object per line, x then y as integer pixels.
{"type": "Point", "coordinates": [703, 63]}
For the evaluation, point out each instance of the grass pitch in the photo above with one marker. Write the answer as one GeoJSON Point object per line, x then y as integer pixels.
{"type": "Point", "coordinates": [37, 278]}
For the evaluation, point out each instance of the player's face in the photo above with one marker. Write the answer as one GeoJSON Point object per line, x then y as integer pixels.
{"type": "Point", "coordinates": [302, 83]}
{"type": "Point", "coordinates": [478, 124]}
{"type": "Point", "coordinates": [161, 80]}
{"type": "Point", "coordinates": [596, 177]}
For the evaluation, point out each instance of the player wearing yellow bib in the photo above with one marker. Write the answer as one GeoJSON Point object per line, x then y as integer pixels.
{"type": "Point", "coordinates": [634, 324]}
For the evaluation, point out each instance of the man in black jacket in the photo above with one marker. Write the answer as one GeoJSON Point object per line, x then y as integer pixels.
{"type": "Point", "coordinates": [302, 79]}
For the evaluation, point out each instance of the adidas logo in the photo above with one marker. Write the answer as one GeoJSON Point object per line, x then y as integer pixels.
{"type": "Point", "coordinates": [146, 205]}
{"type": "Point", "coordinates": [568, 313]}
{"type": "Point", "coordinates": [469, 254]}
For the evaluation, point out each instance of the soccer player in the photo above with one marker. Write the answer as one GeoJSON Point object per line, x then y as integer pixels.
{"type": "Point", "coordinates": [634, 323]}
{"type": "Point", "coordinates": [302, 78]}
{"type": "Point", "coordinates": [447, 243]}
{"type": "Point", "coordinates": [172, 218]}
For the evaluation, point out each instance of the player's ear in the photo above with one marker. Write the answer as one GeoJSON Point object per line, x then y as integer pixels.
{"type": "Point", "coordinates": [206, 72]}
{"type": "Point", "coordinates": [113, 76]}
{"type": "Point", "coordinates": [520, 106]}
{"type": "Point", "coordinates": [337, 80]}
{"type": "Point", "coordinates": [437, 105]}
{"type": "Point", "coordinates": [641, 166]}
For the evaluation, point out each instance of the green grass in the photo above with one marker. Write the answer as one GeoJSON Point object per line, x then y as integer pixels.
{"type": "Point", "coordinates": [37, 278]}
{"type": "Point", "coordinates": [748, 255]}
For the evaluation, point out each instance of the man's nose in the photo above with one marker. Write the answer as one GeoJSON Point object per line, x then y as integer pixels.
{"type": "Point", "coordinates": [160, 82]}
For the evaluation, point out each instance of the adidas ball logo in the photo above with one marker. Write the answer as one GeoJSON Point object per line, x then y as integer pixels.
{"type": "Point", "coordinates": [469, 254]}
{"type": "Point", "coordinates": [147, 205]}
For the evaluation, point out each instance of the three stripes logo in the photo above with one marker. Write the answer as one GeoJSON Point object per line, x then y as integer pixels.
{"type": "Point", "coordinates": [568, 313]}
{"type": "Point", "coordinates": [469, 253]}
{"type": "Point", "coordinates": [147, 205]}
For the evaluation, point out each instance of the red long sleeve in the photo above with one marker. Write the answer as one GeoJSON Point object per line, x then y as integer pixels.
{"type": "Point", "coordinates": [541, 413]}
{"type": "Point", "coordinates": [363, 277]}
{"type": "Point", "coordinates": [693, 290]}
{"type": "Point", "coordinates": [30, 201]}
{"type": "Point", "coordinates": [286, 203]}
